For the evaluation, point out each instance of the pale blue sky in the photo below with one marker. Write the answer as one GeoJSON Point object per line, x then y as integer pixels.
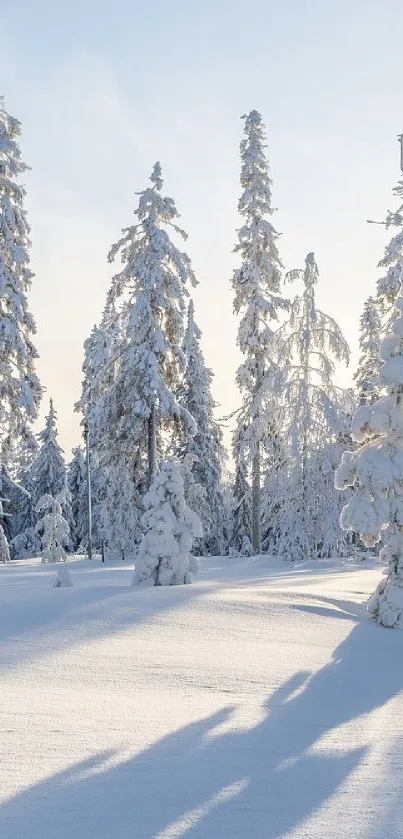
{"type": "Point", "coordinates": [104, 89]}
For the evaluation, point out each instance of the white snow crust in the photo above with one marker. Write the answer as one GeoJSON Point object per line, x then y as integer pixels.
{"type": "Point", "coordinates": [259, 702]}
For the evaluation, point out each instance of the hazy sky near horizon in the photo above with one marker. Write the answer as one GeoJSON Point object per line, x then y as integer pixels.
{"type": "Point", "coordinates": [104, 89]}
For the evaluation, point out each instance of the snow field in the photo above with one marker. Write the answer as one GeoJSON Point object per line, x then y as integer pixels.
{"type": "Point", "coordinates": [257, 702]}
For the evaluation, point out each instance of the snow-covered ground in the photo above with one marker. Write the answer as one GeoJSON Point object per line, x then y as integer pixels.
{"type": "Point", "coordinates": [258, 702]}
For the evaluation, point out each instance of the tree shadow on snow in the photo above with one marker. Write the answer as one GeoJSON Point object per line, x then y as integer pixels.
{"type": "Point", "coordinates": [203, 782]}
{"type": "Point", "coordinates": [332, 607]}
{"type": "Point", "coordinates": [37, 622]}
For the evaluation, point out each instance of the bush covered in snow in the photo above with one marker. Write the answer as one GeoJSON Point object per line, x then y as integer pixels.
{"type": "Point", "coordinates": [164, 557]}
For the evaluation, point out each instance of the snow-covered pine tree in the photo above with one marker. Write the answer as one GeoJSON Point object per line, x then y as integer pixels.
{"type": "Point", "coordinates": [205, 446]}
{"type": "Point", "coordinates": [228, 508]}
{"type": "Point", "coordinates": [152, 287]}
{"type": "Point", "coordinates": [375, 320]}
{"type": "Point", "coordinates": [25, 541]}
{"type": "Point", "coordinates": [20, 390]}
{"type": "Point", "coordinates": [98, 479]}
{"type": "Point", "coordinates": [375, 473]}
{"type": "Point", "coordinates": [77, 485]}
{"type": "Point", "coordinates": [388, 286]}
{"type": "Point", "coordinates": [116, 477]}
{"type": "Point", "coordinates": [195, 496]}
{"type": "Point", "coordinates": [277, 490]}
{"type": "Point", "coordinates": [121, 509]}
{"type": "Point", "coordinates": [4, 546]}
{"type": "Point", "coordinates": [257, 297]}
{"type": "Point", "coordinates": [49, 469]}
{"type": "Point", "coordinates": [20, 491]}
{"type": "Point", "coordinates": [367, 371]}
{"type": "Point", "coordinates": [4, 549]}
{"type": "Point", "coordinates": [313, 416]}
{"type": "Point", "coordinates": [53, 528]}
{"type": "Point", "coordinates": [328, 539]}
{"type": "Point", "coordinates": [99, 369]}
{"type": "Point", "coordinates": [101, 350]}
{"type": "Point", "coordinates": [241, 529]}
{"type": "Point", "coordinates": [170, 526]}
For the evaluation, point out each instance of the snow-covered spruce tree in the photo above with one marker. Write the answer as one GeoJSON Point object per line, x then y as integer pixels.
{"type": "Point", "coordinates": [388, 286]}
{"type": "Point", "coordinates": [378, 311]}
{"type": "Point", "coordinates": [77, 485]}
{"type": "Point", "coordinates": [99, 372]}
{"type": "Point", "coordinates": [205, 446]}
{"type": "Point", "coordinates": [117, 468]}
{"type": "Point", "coordinates": [276, 493]}
{"type": "Point", "coordinates": [228, 510]}
{"type": "Point", "coordinates": [121, 509]}
{"type": "Point", "coordinates": [327, 537]}
{"type": "Point", "coordinates": [241, 525]}
{"type": "Point", "coordinates": [98, 497]}
{"type": "Point", "coordinates": [53, 528]}
{"type": "Point", "coordinates": [49, 469]}
{"type": "Point", "coordinates": [195, 496]}
{"type": "Point", "coordinates": [257, 297]}
{"type": "Point", "coordinates": [20, 491]}
{"type": "Point", "coordinates": [170, 526]}
{"type": "Point", "coordinates": [20, 389]}
{"type": "Point", "coordinates": [101, 350]}
{"type": "Point", "coordinates": [4, 549]}
{"type": "Point", "coordinates": [25, 541]}
{"type": "Point", "coordinates": [366, 375]}
{"type": "Point", "coordinates": [375, 473]}
{"type": "Point", "coordinates": [313, 416]}
{"type": "Point", "coordinates": [152, 287]}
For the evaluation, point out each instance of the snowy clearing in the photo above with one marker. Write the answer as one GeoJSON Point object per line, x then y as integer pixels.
{"type": "Point", "coordinates": [258, 702]}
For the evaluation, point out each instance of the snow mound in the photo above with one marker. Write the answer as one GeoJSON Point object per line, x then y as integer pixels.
{"type": "Point", "coordinates": [63, 579]}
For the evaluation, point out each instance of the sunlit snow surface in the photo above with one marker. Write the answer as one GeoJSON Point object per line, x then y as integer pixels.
{"type": "Point", "coordinates": [258, 702]}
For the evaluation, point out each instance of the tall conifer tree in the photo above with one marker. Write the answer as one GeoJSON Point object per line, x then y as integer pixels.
{"type": "Point", "coordinates": [206, 443]}
{"type": "Point", "coordinates": [77, 485]}
{"type": "Point", "coordinates": [257, 298]}
{"type": "Point", "coordinates": [241, 529]}
{"type": "Point", "coordinates": [366, 375]}
{"type": "Point", "coordinates": [313, 417]}
{"type": "Point", "coordinates": [49, 470]}
{"type": "Point", "coordinates": [152, 288]}
{"type": "Point", "coordinates": [20, 390]}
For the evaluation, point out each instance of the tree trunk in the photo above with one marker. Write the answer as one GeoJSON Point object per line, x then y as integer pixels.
{"type": "Point", "coordinates": [256, 534]}
{"type": "Point", "coordinates": [306, 428]}
{"type": "Point", "coordinates": [152, 445]}
{"type": "Point", "coordinates": [305, 513]}
{"type": "Point", "coordinates": [89, 499]}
